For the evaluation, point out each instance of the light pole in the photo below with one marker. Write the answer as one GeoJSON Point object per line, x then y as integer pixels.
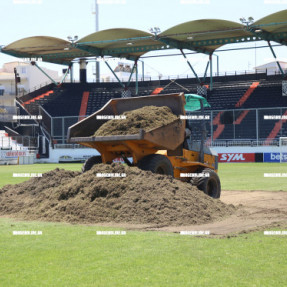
{"type": "Point", "coordinates": [97, 29]}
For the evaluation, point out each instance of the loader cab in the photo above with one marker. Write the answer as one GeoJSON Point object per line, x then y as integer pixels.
{"type": "Point", "coordinates": [197, 128]}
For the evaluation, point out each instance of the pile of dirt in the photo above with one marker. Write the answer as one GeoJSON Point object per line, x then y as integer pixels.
{"type": "Point", "coordinates": [139, 198]}
{"type": "Point", "coordinates": [146, 118]}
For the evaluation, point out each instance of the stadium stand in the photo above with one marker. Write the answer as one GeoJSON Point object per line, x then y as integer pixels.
{"type": "Point", "coordinates": [234, 100]}
{"type": "Point", "coordinates": [268, 94]}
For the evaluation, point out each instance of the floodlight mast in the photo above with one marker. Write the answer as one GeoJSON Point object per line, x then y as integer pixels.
{"type": "Point", "coordinates": [97, 29]}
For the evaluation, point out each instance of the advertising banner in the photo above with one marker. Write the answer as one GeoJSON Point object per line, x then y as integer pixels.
{"type": "Point", "coordinates": [275, 157]}
{"type": "Point", "coordinates": [236, 157]}
{"type": "Point", "coordinates": [12, 154]}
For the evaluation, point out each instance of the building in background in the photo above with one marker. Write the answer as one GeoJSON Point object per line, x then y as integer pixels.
{"type": "Point", "coordinates": [31, 77]}
{"type": "Point", "coordinates": [271, 67]}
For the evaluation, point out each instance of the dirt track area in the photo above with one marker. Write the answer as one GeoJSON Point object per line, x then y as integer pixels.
{"type": "Point", "coordinates": [256, 210]}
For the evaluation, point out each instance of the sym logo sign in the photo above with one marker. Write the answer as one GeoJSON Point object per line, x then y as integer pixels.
{"type": "Point", "coordinates": [275, 157]}
{"type": "Point", "coordinates": [236, 157]}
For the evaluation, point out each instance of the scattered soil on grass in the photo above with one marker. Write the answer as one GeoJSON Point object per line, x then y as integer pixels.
{"type": "Point", "coordinates": [256, 211]}
{"type": "Point", "coordinates": [146, 118]}
{"type": "Point", "coordinates": [139, 198]}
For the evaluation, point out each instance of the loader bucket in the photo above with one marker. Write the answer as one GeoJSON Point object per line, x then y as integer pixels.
{"type": "Point", "coordinates": [167, 137]}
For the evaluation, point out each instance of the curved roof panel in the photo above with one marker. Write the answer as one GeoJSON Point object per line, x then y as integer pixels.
{"type": "Point", "coordinates": [120, 42]}
{"type": "Point", "coordinates": [51, 49]}
{"type": "Point", "coordinates": [203, 36]}
{"type": "Point", "coordinates": [273, 27]}
{"type": "Point", "coordinates": [200, 32]}
{"type": "Point", "coordinates": [274, 23]}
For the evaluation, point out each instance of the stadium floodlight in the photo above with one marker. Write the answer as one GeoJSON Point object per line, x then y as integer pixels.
{"type": "Point", "coordinates": [247, 22]}
{"type": "Point", "coordinates": [71, 39]}
{"type": "Point", "coordinates": [155, 30]}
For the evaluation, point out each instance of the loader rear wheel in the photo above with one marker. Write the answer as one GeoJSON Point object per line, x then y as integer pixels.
{"type": "Point", "coordinates": [209, 185]}
{"type": "Point", "coordinates": [156, 163]}
{"type": "Point", "coordinates": [90, 162]}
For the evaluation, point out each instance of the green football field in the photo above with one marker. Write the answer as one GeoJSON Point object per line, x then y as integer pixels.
{"type": "Point", "coordinates": [75, 255]}
{"type": "Point", "coordinates": [233, 176]}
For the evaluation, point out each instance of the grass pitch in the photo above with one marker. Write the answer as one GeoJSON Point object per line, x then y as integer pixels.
{"type": "Point", "coordinates": [250, 176]}
{"type": "Point", "coordinates": [233, 176]}
{"type": "Point", "coordinates": [74, 255]}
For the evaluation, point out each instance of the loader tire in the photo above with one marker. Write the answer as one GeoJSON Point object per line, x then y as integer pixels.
{"type": "Point", "coordinates": [90, 162]}
{"type": "Point", "coordinates": [209, 185]}
{"type": "Point", "coordinates": [156, 163]}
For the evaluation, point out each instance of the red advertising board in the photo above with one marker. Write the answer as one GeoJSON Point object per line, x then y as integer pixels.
{"type": "Point", "coordinates": [236, 157]}
{"type": "Point", "coordinates": [12, 153]}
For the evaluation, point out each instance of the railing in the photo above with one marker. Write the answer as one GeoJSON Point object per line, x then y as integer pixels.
{"type": "Point", "coordinates": [243, 143]}
{"type": "Point", "coordinates": [18, 142]}
{"type": "Point", "coordinates": [35, 88]}
{"type": "Point", "coordinates": [232, 137]}
{"type": "Point", "coordinates": [161, 77]}
{"type": "Point", "coordinates": [46, 119]}
{"type": "Point", "coordinates": [71, 146]}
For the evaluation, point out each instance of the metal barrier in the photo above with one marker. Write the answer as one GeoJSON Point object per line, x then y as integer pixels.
{"type": "Point", "coordinates": [59, 128]}
{"type": "Point", "coordinates": [243, 128]}
{"type": "Point", "coordinates": [18, 142]}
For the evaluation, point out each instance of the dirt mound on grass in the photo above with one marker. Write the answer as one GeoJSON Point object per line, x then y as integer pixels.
{"type": "Point", "coordinates": [146, 118]}
{"type": "Point", "coordinates": [139, 198]}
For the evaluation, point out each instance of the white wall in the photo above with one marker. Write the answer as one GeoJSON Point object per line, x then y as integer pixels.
{"type": "Point", "coordinates": [271, 67]}
{"type": "Point", "coordinates": [236, 149]}
{"type": "Point", "coordinates": [31, 76]}
{"type": "Point", "coordinates": [55, 154]}
{"type": "Point", "coordinates": [37, 78]}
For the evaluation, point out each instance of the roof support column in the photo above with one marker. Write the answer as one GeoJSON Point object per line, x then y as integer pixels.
{"type": "Point", "coordinates": [71, 72]}
{"type": "Point", "coordinates": [211, 79]}
{"type": "Point", "coordinates": [206, 69]}
{"type": "Point", "coordinates": [274, 55]}
{"type": "Point", "coordinates": [133, 69]}
{"type": "Point", "coordinates": [65, 75]}
{"type": "Point", "coordinates": [190, 66]}
{"type": "Point", "coordinates": [137, 77]}
{"type": "Point", "coordinates": [83, 71]}
{"type": "Point", "coordinates": [36, 65]}
{"type": "Point", "coordinates": [114, 74]}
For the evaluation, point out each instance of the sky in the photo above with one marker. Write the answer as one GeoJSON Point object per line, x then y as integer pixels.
{"type": "Point", "coordinates": [61, 18]}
